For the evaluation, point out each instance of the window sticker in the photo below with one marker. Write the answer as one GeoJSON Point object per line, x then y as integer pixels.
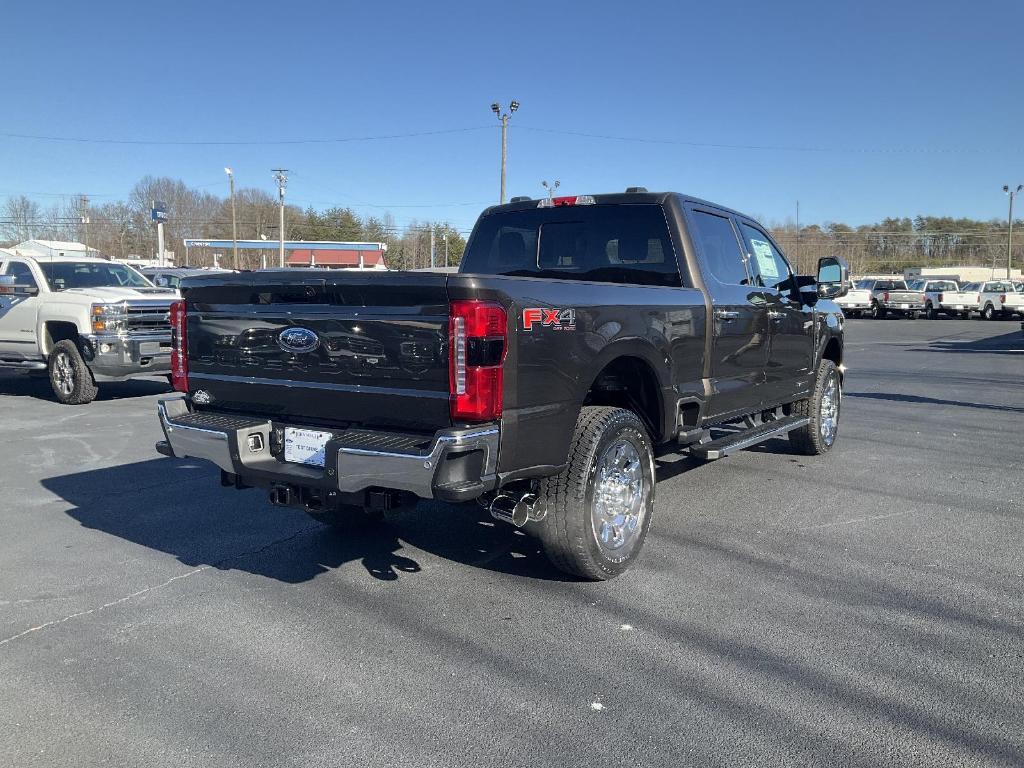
{"type": "Point", "coordinates": [765, 259]}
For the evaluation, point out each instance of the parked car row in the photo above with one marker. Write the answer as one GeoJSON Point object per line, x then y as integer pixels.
{"type": "Point", "coordinates": [990, 299]}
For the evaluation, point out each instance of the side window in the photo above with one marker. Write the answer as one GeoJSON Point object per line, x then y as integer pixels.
{"type": "Point", "coordinates": [721, 250]}
{"type": "Point", "coordinates": [21, 273]}
{"type": "Point", "coordinates": [770, 267]}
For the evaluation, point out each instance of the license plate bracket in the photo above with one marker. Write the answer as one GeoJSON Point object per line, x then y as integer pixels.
{"type": "Point", "coordinates": [305, 446]}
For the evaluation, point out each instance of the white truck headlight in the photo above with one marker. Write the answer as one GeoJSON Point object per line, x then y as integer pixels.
{"type": "Point", "coordinates": [108, 318]}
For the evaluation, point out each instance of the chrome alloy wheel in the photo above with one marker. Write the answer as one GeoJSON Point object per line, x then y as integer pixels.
{"type": "Point", "coordinates": [619, 503]}
{"type": "Point", "coordinates": [829, 410]}
{"type": "Point", "coordinates": [64, 374]}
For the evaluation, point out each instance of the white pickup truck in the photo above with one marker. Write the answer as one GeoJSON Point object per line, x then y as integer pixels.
{"type": "Point", "coordinates": [857, 301]}
{"type": "Point", "coordinates": [82, 321]}
{"type": "Point", "coordinates": [944, 297]}
{"type": "Point", "coordinates": [999, 299]}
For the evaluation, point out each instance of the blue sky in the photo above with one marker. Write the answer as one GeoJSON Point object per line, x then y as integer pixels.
{"type": "Point", "coordinates": [860, 110]}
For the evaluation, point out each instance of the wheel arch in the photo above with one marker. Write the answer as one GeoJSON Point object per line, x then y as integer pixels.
{"type": "Point", "coordinates": [57, 330]}
{"type": "Point", "coordinates": [630, 380]}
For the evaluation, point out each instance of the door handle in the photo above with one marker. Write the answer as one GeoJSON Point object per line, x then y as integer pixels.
{"type": "Point", "coordinates": [726, 314]}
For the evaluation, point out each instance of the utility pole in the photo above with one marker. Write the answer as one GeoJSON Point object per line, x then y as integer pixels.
{"type": "Point", "coordinates": [444, 236]}
{"type": "Point", "coordinates": [85, 223]}
{"type": "Point", "coordinates": [433, 228]}
{"type": "Point", "coordinates": [1009, 235]}
{"type": "Point", "coordinates": [281, 177]}
{"type": "Point", "coordinates": [796, 255]}
{"type": "Point", "coordinates": [234, 219]}
{"type": "Point", "coordinates": [496, 108]}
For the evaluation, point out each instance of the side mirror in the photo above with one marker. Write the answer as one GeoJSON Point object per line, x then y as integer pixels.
{"type": "Point", "coordinates": [833, 277]}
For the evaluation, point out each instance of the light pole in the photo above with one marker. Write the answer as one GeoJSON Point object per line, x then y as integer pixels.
{"type": "Point", "coordinates": [234, 219]}
{"type": "Point", "coordinates": [551, 188]}
{"type": "Point", "coordinates": [496, 108]}
{"type": "Point", "coordinates": [1009, 235]}
{"type": "Point", "coordinates": [280, 175]}
{"type": "Point", "coordinates": [445, 238]}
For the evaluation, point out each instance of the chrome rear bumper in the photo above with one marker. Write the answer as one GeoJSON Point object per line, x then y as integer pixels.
{"type": "Point", "coordinates": [454, 464]}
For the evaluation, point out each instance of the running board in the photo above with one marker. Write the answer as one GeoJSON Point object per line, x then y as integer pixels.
{"type": "Point", "coordinates": [25, 365]}
{"type": "Point", "coordinates": [737, 441]}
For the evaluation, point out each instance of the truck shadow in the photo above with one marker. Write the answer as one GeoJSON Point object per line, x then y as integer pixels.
{"type": "Point", "coordinates": [177, 507]}
{"type": "Point", "coordinates": [1004, 344]}
{"type": "Point", "coordinates": [38, 387]}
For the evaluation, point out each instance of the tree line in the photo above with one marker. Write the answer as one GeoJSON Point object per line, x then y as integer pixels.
{"type": "Point", "coordinates": [124, 228]}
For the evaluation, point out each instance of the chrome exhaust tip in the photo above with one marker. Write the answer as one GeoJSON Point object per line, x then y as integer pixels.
{"type": "Point", "coordinates": [518, 512]}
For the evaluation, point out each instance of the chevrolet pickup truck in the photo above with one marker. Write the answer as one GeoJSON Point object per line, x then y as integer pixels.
{"type": "Point", "coordinates": [82, 321]}
{"type": "Point", "coordinates": [578, 334]}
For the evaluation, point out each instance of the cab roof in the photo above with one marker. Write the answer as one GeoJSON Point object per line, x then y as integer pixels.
{"type": "Point", "coordinates": [633, 196]}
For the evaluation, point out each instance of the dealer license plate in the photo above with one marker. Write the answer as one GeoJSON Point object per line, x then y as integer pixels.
{"type": "Point", "coordinates": [904, 306]}
{"type": "Point", "coordinates": [957, 306]}
{"type": "Point", "coordinates": [305, 446]}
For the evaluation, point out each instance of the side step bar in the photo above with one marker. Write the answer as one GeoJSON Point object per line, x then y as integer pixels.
{"type": "Point", "coordinates": [25, 365]}
{"type": "Point", "coordinates": [723, 446]}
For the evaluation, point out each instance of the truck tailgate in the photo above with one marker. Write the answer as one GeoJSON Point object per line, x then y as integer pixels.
{"type": "Point", "coordinates": [363, 349]}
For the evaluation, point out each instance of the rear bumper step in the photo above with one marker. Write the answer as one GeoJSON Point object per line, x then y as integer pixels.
{"type": "Point", "coordinates": [455, 464]}
{"type": "Point", "coordinates": [732, 443]}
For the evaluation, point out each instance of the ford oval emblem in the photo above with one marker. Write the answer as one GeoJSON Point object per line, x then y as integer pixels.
{"type": "Point", "coordinates": [298, 340]}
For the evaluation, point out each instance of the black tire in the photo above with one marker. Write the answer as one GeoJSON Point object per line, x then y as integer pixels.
{"type": "Point", "coordinates": [568, 531]}
{"type": "Point", "coordinates": [70, 378]}
{"type": "Point", "coordinates": [965, 315]}
{"type": "Point", "coordinates": [988, 312]}
{"type": "Point", "coordinates": [877, 312]}
{"type": "Point", "coordinates": [931, 312]}
{"type": "Point", "coordinates": [810, 440]}
{"type": "Point", "coordinates": [349, 517]}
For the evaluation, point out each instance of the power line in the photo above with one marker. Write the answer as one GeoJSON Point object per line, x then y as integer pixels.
{"type": "Point", "coordinates": [767, 147]}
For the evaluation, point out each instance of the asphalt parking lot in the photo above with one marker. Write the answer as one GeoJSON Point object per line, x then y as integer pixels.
{"type": "Point", "coordinates": [861, 608]}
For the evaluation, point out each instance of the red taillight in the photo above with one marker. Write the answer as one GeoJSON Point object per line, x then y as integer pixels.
{"type": "Point", "coordinates": [1002, 298]}
{"type": "Point", "coordinates": [940, 298]}
{"type": "Point", "coordinates": [477, 333]}
{"type": "Point", "coordinates": [179, 347]}
{"type": "Point", "coordinates": [885, 296]}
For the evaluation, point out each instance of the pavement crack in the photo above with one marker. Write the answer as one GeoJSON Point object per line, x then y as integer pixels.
{"type": "Point", "coordinates": [103, 607]}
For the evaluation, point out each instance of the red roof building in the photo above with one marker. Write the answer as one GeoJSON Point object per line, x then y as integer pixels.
{"type": "Point", "coordinates": [306, 257]}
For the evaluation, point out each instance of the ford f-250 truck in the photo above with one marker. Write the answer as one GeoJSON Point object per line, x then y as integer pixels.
{"type": "Point", "coordinates": [578, 334]}
{"type": "Point", "coordinates": [81, 321]}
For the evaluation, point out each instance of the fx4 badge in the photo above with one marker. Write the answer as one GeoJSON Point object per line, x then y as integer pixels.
{"type": "Point", "coordinates": [556, 319]}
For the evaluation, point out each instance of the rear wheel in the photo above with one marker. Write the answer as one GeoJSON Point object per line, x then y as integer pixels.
{"type": "Point", "coordinates": [877, 312]}
{"type": "Point", "coordinates": [599, 508]}
{"type": "Point", "coordinates": [988, 312]}
{"type": "Point", "coordinates": [931, 312]}
{"type": "Point", "coordinates": [823, 410]}
{"type": "Point", "coordinates": [70, 377]}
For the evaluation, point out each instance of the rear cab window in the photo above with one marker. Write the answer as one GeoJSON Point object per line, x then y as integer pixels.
{"type": "Point", "coordinates": [723, 258]}
{"type": "Point", "coordinates": [626, 244]}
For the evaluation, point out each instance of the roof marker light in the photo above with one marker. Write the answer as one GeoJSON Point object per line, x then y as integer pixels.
{"type": "Point", "coordinates": [559, 202]}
